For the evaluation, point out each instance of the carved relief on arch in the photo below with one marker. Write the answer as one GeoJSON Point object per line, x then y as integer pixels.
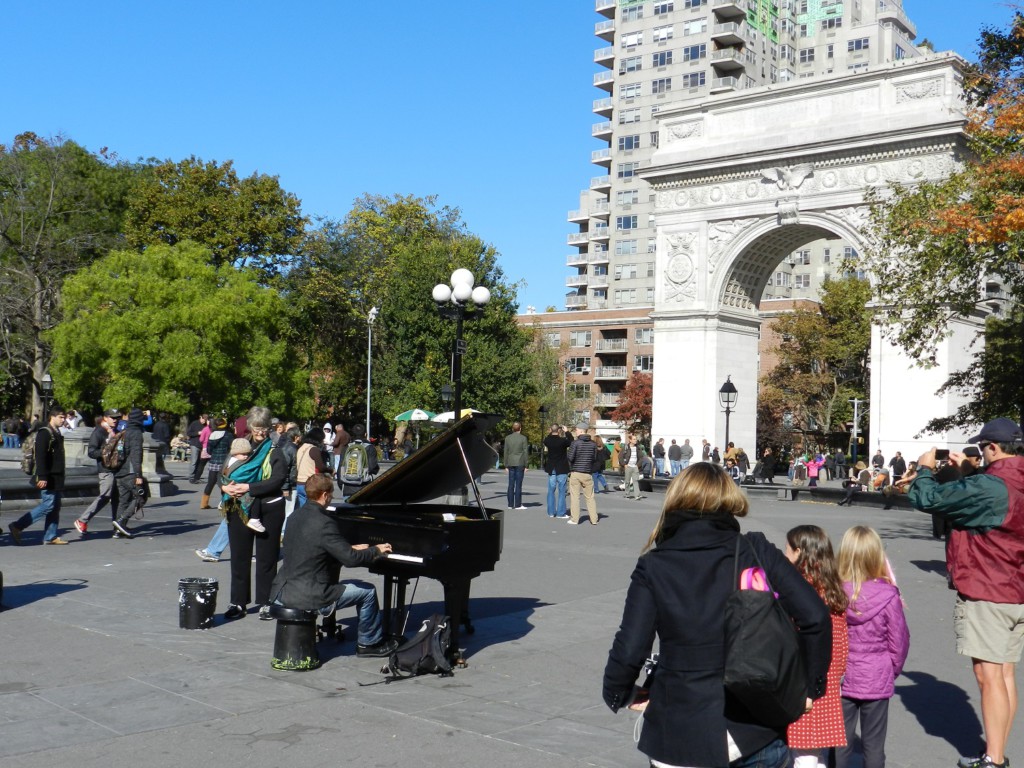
{"type": "Point", "coordinates": [720, 235]}
{"type": "Point", "coordinates": [680, 272]}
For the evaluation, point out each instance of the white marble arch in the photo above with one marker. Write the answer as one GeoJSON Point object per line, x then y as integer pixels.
{"type": "Point", "coordinates": [743, 180]}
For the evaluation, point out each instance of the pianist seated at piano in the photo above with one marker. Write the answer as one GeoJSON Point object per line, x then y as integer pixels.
{"type": "Point", "coordinates": [313, 548]}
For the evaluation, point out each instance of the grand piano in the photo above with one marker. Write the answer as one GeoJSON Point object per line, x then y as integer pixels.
{"type": "Point", "coordinates": [430, 536]}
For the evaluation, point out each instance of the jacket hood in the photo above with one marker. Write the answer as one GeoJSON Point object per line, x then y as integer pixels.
{"type": "Point", "coordinates": [218, 434]}
{"type": "Point", "coordinates": [135, 417]}
{"type": "Point", "coordinates": [1010, 471]}
{"type": "Point", "coordinates": [874, 596]}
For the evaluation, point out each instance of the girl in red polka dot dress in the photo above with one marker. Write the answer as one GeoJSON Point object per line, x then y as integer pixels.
{"type": "Point", "coordinates": [811, 737]}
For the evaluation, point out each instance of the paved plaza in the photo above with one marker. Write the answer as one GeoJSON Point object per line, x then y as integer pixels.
{"type": "Point", "coordinates": [97, 674]}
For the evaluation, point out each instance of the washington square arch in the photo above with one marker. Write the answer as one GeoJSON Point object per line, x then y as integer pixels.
{"type": "Point", "coordinates": [741, 181]}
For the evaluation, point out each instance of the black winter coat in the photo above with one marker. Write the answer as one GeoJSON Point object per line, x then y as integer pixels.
{"type": "Point", "coordinates": [678, 592]}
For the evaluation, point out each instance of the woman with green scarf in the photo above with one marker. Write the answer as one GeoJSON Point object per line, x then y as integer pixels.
{"type": "Point", "coordinates": [255, 482]}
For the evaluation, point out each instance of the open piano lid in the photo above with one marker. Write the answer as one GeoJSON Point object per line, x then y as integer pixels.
{"type": "Point", "coordinates": [438, 467]}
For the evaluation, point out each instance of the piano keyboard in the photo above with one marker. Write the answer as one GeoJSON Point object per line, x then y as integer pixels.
{"type": "Point", "coordinates": [405, 558]}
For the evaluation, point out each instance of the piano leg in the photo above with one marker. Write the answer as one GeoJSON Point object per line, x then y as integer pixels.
{"type": "Point", "coordinates": [456, 605]}
{"type": "Point", "coordinates": [393, 616]}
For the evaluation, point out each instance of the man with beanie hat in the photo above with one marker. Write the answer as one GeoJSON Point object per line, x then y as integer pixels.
{"type": "Point", "coordinates": [106, 428]}
{"type": "Point", "coordinates": [983, 557]}
{"type": "Point", "coordinates": [130, 484]}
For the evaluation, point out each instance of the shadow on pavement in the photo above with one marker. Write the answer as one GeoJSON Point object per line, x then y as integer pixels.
{"type": "Point", "coordinates": [19, 595]}
{"type": "Point", "coordinates": [943, 710]}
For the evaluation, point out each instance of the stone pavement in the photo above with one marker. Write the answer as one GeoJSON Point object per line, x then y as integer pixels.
{"type": "Point", "coordinates": [97, 674]}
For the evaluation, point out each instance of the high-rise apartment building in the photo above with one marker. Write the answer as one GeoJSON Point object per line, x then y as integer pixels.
{"type": "Point", "coordinates": [656, 54]}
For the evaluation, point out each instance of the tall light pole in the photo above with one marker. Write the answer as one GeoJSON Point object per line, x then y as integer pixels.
{"type": "Point", "coordinates": [47, 387]}
{"type": "Point", "coordinates": [453, 301]}
{"type": "Point", "coordinates": [369, 363]}
{"type": "Point", "coordinates": [728, 395]}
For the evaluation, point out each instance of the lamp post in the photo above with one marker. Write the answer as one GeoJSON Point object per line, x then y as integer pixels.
{"type": "Point", "coordinates": [369, 363]}
{"type": "Point", "coordinates": [453, 301]}
{"type": "Point", "coordinates": [47, 387]}
{"type": "Point", "coordinates": [728, 395]}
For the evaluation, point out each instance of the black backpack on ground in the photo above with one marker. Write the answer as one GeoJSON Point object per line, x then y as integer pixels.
{"type": "Point", "coordinates": [424, 653]}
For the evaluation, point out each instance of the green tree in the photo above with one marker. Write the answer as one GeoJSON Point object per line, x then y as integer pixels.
{"type": "Point", "coordinates": [60, 208]}
{"type": "Point", "coordinates": [938, 246]}
{"type": "Point", "coordinates": [247, 222]}
{"type": "Point", "coordinates": [168, 329]}
{"type": "Point", "coordinates": [822, 357]}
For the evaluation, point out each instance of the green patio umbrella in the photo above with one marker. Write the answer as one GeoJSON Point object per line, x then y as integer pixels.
{"type": "Point", "coordinates": [414, 414]}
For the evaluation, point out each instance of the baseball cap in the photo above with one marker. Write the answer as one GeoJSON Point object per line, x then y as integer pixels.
{"type": "Point", "coordinates": [112, 413]}
{"type": "Point", "coordinates": [1001, 430]}
{"type": "Point", "coordinates": [973, 451]}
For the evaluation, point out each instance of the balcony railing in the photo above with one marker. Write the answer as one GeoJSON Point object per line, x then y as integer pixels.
{"type": "Point", "coordinates": [576, 281]}
{"type": "Point", "coordinates": [600, 232]}
{"type": "Point", "coordinates": [605, 30]}
{"type": "Point", "coordinates": [605, 56]}
{"type": "Point", "coordinates": [604, 80]}
{"type": "Point", "coordinates": [724, 84]}
{"type": "Point", "coordinates": [606, 7]}
{"type": "Point", "coordinates": [611, 372]}
{"type": "Point", "coordinates": [612, 345]}
{"type": "Point", "coordinates": [574, 302]}
{"type": "Point", "coordinates": [731, 33]}
{"type": "Point", "coordinates": [601, 156]}
{"type": "Point", "coordinates": [600, 182]}
{"type": "Point", "coordinates": [603, 107]}
{"type": "Point", "coordinates": [578, 238]}
{"type": "Point", "coordinates": [609, 400]}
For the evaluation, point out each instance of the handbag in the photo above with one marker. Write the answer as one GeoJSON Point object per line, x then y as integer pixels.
{"type": "Point", "coordinates": [764, 668]}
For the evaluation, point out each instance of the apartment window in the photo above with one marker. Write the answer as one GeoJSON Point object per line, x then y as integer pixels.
{"type": "Point", "coordinates": [803, 6]}
{"type": "Point", "coordinates": [629, 142]}
{"type": "Point", "coordinates": [782, 279]}
{"type": "Point", "coordinates": [806, 55]}
{"type": "Point", "coordinates": [627, 197]}
{"type": "Point", "coordinates": [652, 244]}
{"type": "Point", "coordinates": [649, 295]}
{"type": "Point", "coordinates": [661, 59]}
{"type": "Point", "coordinates": [643, 362]}
{"type": "Point", "coordinates": [695, 52]}
{"type": "Point", "coordinates": [625, 296]}
{"type": "Point", "coordinates": [629, 116]}
{"type": "Point", "coordinates": [662, 8]}
{"type": "Point", "coordinates": [849, 252]}
{"type": "Point", "coordinates": [832, 23]}
{"type": "Point", "coordinates": [694, 3]}
{"type": "Point", "coordinates": [663, 33]}
{"type": "Point", "coordinates": [633, 39]}
{"type": "Point", "coordinates": [654, 139]}
{"type": "Point", "coordinates": [631, 64]}
{"type": "Point", "coordinates": [695, 27]}
{"type": "Point", "coordinates": [578, 391]}
{"type": "Point", "coordinates": [601, 294]}
{"type": "Point", "coordinates": [694, 79]}
{"type": "Point", "coordinates": [661, 85]}
{"type": "Point", "coordinates": [625, 222]}
{"type": "Point", "coordinates": [627, 170]}
{"type": "Point", "coordinates": [630, 91]}
{"type": "Point", "coordinates": [860, 44]}
{"type": "Point", "coordinates": [802, 257]}
{"type": "Point", "coordinates": [802, 281]}
{"type": "Point", "coordinates": [626, 271]}
{"type": "Point", "coordinates": [579, 338]}
{"type": "Point", "coordinates": [786, 53]}
{"type": "Point", "coordinates": [650, 269]}
{"type": "Point", "coordinates": [644, 336]}
{"type": "Point", "coordinates": [899, 54]}
{"type": "Point", "coordinates": [632, 14]}
{"type": "Point", "coordinates": [830, 51]}
{"type": "Point", "coordinates": [600, 269]}
{"type": "Point", "coordinates": [805, 31]}
{"type": "Point", "coordinates": [624, 248]}
{"type": "Point", "coordinates": [826, 255]}
{"type": "Point", "coordinates": [553, 339]}
{"type": "Point", "coordinates": [578, 364]}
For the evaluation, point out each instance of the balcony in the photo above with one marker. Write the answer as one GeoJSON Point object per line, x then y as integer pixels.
{"type": "Point", "coordinates": [618, 346]}
{"type": "Point", "coordinates": [605, 56]}
{"type": "Point", "coordinates": [600, 232]}
{"type": "Point", "coordinates": [601, 209]}
{"type": "Point", "coordinates": [577, 217]}
{"type": "Point", "coordinates": [597, 304]}
{"type": "Point", "coordinates": [598, 281]}
{"type": "Point", "coordinates": [604, 80]}
{"type": "Point", "coordinates": [605, 30]}
{"type": "Point", "coordinates": [602, 157]}
{"type": "Point", "coordinates": [605, 7]}
{"type": "Point", "coordinates": [889, 11]}
{"type": "Point", "coordinates": [598, 257]}
{"type": "Point", "coordinates": [600, 183]}
{"type": "Point", "coordinates": [576, 259]}
{"type": "Point", "coordinates": [601, 130]}
{"type": "Point", "coordinates": [612, 372]}
{"type": "Point", "coordinates": [577, 281]}
{"type": "Point", "coordinates": [578, 238]}
{"type": "Point", "coordinates": [728, 59]}
{"type": "Point", "coordinates": [729, 9]}
{"type": "Point", "coordinates": [725, 84]}
{"type": "Point", "coordinates": [575, 302]}
{"type": "Point", "coordinates": [728, 34]}
{"type": "Point", "coordinates": [603, 107]}
{"type": "Point", "coordinates": [606, 400]}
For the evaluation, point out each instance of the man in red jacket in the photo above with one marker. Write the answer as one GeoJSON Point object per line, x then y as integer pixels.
{"type": "Point", "coordinates": [983, 557]}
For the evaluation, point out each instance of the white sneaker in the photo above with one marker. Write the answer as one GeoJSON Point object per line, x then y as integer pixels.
{"type": "Point", "coordinates": [521, 507]}
{"type": "Point", "coordinates": [256, 525]}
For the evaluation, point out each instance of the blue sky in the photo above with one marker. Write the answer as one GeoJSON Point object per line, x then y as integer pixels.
{"type": "Point", "coordinates": [485, 104]}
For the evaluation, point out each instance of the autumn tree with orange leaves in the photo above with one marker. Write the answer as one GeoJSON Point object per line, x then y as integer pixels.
{"type": "Point", "coordinates": [635, 403]}
{"type": "Point", "coordinates": [939, 244]}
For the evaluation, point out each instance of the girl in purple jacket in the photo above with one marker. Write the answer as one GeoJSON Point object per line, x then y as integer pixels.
{"type": "Point", "coordinates": [879, 641]}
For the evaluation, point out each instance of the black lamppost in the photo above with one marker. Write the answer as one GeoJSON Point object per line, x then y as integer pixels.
{"type": "Point", "coordinates": [447, 395]}
{"type": "Point", "coordinates": [459, 301]}
{"type": "Point", "coordinates": [47, 387]}
{"type": "Point", "coordinates": [728, 395]}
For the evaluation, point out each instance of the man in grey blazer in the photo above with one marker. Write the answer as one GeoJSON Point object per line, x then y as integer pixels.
{"type": "Point", "coordinates": [313, 548]}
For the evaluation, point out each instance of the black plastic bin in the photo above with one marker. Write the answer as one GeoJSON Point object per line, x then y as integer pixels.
{"type": "Point", "coordinates": [197, 602]}
{"type": "Point", "coordinates": [295, 640]}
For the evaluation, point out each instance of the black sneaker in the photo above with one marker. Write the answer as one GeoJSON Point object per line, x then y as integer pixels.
{"type": "Point", "coordinates": [982, 761]}
{"type": "Point", "coordinates": [122, 529]}
{"type": "Point", "coordinates": [234, 612]}
{"type": "Point", "coordinates": [383, 648]}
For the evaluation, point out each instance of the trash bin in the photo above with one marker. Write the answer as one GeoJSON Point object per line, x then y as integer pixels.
{"type": "Point", "coordinates": [295, 640]}
{"type": "Point", "coordinates": [197, 602]}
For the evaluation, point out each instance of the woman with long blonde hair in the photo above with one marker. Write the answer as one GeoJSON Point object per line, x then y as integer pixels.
{"type": "Point", "coordinates": [677, 593]}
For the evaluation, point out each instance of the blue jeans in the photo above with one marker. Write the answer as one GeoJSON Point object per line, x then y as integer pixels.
{"type": "Point", "coordinates": [300, 495]}
{"type": "Point", "coordinates": [556, 495]}
{"type": "Point", "coordinates": [675, 466]}
{"type": "Point", "coordinates": [600, 483]}
{"type": "Point", "coordinates": [773, 755]}
{"type": "Point", "coordinates": [11, 441]}
{"type": "Point", "coordinates": [659, 465]}
{"type": "Point", "coordinates": [365, 596]}
{"type": "Point", "coordinates": [515, 486]}
{"type": "Point", "coordinates": [219, 542]}
{"type": "Point", "coordinates": [48, 507]}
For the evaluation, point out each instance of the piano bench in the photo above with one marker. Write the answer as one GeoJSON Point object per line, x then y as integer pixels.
{"type": "Point", "coordinates": [295, 639]}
